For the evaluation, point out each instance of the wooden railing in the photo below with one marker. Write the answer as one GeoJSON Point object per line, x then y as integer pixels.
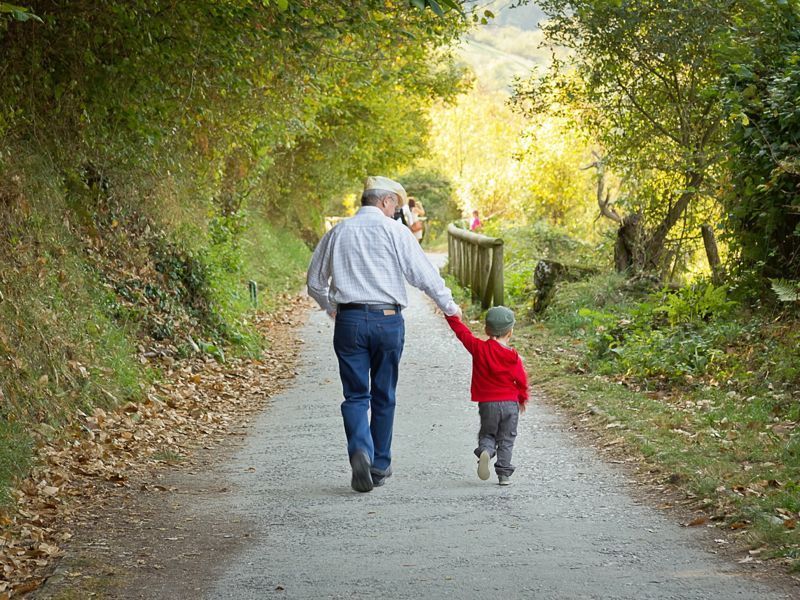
{"type": "Point", "coordinates": [476, 261]}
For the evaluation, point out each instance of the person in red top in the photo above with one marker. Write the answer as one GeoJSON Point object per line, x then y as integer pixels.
{"type": "Point", "coordinates": [499, 386]}
{"type": "Point", "coordinates": [475, 222]}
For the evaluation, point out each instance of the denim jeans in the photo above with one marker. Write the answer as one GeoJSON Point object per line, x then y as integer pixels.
{"type": "Point", "coordinates": [368, 345]}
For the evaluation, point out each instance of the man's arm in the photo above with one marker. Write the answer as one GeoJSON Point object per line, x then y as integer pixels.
{"type": "Point", "coordinates": [420, 273]}
{"type": "Point", "coordinates": [319, 274]}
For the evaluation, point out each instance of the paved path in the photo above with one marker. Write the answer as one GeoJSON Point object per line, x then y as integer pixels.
{"type": "Point", "coordinates": [564, 530]}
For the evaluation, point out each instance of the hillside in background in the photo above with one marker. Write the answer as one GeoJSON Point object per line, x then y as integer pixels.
{"type": "Point", "coordinates": [509, 46]}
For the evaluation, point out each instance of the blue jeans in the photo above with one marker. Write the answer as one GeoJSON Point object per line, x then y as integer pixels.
{"type": "Point", "coordinates": [368, 345]}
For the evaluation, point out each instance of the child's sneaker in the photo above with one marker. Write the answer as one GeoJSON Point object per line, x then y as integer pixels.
{"type": "Point", "coordinates": [503, 480]}
{"type": "Point", "coordinates": [483, 465]}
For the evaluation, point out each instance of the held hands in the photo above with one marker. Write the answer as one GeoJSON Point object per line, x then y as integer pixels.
{"type": "Point", "coordinates": [458, 312]}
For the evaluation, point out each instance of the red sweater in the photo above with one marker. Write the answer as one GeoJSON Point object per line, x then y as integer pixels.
{"type": "Point", "coordinates": [497, 371]}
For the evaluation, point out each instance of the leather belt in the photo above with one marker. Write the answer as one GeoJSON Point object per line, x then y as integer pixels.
{"type": "Point", "coordinates": [369, 307]}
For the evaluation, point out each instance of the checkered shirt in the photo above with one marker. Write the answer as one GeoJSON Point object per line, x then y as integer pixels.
{"type": "Point", "coordinates": [367, 259]}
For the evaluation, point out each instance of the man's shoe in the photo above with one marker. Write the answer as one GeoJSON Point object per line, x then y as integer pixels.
{"type": "Point", "coordinates": [378, 478]}
{"type": "Point", "coordinates": [483, 465]}
{"type": "Point", "coordinates": [503, 480]}
{"type": "Point", "coordinates": [362, 479]}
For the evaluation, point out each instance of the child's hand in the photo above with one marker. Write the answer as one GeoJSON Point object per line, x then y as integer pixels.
{"type": "Point", "coordinates": [523, 406]}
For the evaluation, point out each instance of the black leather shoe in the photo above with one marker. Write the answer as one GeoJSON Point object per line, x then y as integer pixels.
{"type": "Point", "coordinates": [362, 478]}
{"type": "Point", "coordinates": [378, 478]}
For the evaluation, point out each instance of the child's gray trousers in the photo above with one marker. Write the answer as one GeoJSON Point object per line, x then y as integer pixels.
{"type": "Point", "coordinates": [498, 432]}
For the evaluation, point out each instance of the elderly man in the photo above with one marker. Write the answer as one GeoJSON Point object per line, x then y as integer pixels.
{"type": "Point", "coordinates": [357, 274]}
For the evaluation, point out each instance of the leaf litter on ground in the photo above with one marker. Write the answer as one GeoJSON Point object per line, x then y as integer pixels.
{"type": "Point", "coordinates": [99, 451]}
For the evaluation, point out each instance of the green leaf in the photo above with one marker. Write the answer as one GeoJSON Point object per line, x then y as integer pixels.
{"type": "Point", "coordinates": [454, 4]}
{"type": "Point", "coordinates": [282, 5]}
{"type": "Point", "coordinates": [787, 291]}
{"type": "Point", "coordinates": [17, 12]}
{"type": "Point", "coordinates": [435, 7]}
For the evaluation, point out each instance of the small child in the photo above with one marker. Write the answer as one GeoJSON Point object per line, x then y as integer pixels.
{"type": "Point", "coordinates": [499, 386]}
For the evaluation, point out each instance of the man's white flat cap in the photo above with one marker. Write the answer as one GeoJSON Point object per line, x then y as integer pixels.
{"type": "Point", "coordinates": [387, 185]}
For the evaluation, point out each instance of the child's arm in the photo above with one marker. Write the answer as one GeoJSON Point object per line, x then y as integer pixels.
{"type": "Point", "coordinates": [521, 383]}
{"type": "Point", "coordinates": [463, 333]}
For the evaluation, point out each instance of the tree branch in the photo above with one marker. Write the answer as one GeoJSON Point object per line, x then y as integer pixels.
{"type": "Point", "coordinates": [603, 204]}
{"type": "Point", "coordinates": [660, 128]}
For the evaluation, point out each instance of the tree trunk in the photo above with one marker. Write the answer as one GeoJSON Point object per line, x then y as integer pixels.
{"type": "Point", "coordinates": [654, 247]}
{"type": "Point", "coordinates": [710, 243]}
{"type": "Point", "coordinates": [628, 255]}
{"type": "Point", "coordinates": [548, 273]}
{"type": "Point", "coordinates": [545, 277]}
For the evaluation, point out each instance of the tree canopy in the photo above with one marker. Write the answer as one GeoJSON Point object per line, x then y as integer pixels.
{"type": "Point", "coordinates": [692, 106]}
{"type": "Point", "coordinates": [278, 100]}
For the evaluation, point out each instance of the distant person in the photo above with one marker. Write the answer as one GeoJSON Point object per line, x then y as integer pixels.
{"type": "Point", "coordinates": [402, 213]}
{"type": "Point", "coordinates": [417, 226]}
{"type": "Point", "coordinates": [358, 275]}
{"type": "Point", "coordinates": [416, 206]}
{"type": "Point", "coordinates": [475, 222]}
{"type": "Point", "coordinates": [499, 386]}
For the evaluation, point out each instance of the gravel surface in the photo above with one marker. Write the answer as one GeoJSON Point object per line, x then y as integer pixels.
{"type": "Point", "coordinates": [566, 529]}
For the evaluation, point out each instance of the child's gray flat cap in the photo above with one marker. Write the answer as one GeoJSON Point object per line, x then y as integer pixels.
{"type": "Point", "coordinates": [499, 320]}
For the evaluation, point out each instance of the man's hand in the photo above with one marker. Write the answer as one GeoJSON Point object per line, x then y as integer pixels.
{"type": "Point", "coordinates": [523, 406]}
{"type": "Point", "coordinates": [332, 314]}
{"type": "Point", "coordinates": [458, 313]}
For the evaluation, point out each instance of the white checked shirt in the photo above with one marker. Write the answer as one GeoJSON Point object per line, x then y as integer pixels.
{"type": "Point", "coordinates": [367, 259]}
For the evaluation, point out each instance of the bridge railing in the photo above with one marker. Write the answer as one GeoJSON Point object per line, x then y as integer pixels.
{"type": "Point", "coordinates": [476, 261]}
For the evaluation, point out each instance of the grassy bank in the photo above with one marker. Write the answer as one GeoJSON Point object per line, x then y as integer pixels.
{"type": "Point", "coordinates": [96, 296]}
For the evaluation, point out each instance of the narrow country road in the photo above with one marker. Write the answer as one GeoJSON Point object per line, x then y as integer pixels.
{"type": "Point", "coordinates": [564, 530]}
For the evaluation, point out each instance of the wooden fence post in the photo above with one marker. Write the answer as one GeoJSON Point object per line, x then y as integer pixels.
{"type": "Point", "coordinates": [474, 281]}
{"type": "Point", "coordinates": [450, 252]}
{"type": "Point", "coordinates": [498, 291]}
{"type": "Point", "coordinates": [486, 277]}
{"type": "Point", "coordinates": [477, 263]}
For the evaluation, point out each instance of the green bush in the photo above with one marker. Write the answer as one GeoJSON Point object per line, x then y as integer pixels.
{"type": "Point", "coordinates": [518, 280]}
{"type": "Point", "coordinates": [671, 353]}
{"type": "Point", "coordinates": [604, 294]}
{"type": "Point", "coordinates": [542, 240]}
{"type": "Point", "coordinates": [668, 335]}
{"type": "Point", "coordinates": [695, 303]}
